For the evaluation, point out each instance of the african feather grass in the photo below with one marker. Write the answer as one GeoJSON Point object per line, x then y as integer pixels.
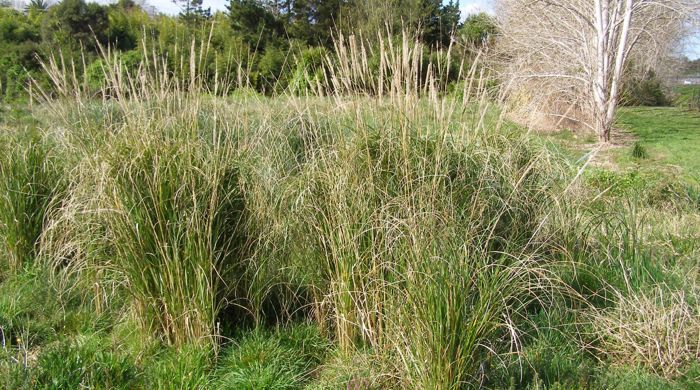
{"type": "Point", "coordinates": [414, 222]}
{"type": "Point", "coordinates": [401, 221]}
{"type": "Point", "coordinates": [154, 211]}
{"type": "Point", "coordinates": [175, 224]}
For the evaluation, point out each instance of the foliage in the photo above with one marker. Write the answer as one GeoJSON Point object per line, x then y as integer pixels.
{"type": "Point", "coordinates": [19, 42]}
{"type": "Point", "coordinates": [644, 91]}
{"type": "Point", "coordinates": [436, 20]}
{"type": "Point", "coordinates": [75, 22]}
{"type": "Point", "coordinates": [478, 29]}
{"type": "Point", "coordinates": [193, 11]}
{"type": "Point", "coordinates": [252, 45]}
{"type": "Point", "coordinates": [270, 70]}
{"type": "Point", "coordinates": [309, 73]}
{"type": "Point", "coordinates": [256, 24]}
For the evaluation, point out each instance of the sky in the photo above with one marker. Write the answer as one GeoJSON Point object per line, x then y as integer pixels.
{"type": "Point", "coordinates": [475, 6]}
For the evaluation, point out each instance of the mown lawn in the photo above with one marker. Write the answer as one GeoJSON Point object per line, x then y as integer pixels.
{"type": "Point", "coordinates": [670, 134]}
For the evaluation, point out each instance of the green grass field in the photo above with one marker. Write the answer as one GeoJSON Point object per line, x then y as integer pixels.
{"type": "Point", "coordinates": [671, 135]}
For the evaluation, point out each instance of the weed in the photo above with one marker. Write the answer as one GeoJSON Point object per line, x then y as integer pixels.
{"type": "Point", "coordinates": [187, 367]}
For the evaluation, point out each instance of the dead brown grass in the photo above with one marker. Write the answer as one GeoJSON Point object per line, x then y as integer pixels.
{"type": "Point", "coordinates": [659, 330]}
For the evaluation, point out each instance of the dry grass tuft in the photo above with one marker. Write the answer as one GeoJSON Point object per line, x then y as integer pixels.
{"type": "Point", "coordinates": [659, 330]}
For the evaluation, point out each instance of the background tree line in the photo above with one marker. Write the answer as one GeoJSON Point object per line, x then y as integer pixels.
{"type": "Point", "coordinates": [266, 45]}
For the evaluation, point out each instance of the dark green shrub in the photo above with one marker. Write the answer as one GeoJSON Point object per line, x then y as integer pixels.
{"type": "Point", "coordinates": [309, 71]}
{"type": "Point", "coordinates": [270, 69]}
{"type": "Point", "coordinates": [644, 91]}
{"type": "Point", "coordinates": [95, 74]}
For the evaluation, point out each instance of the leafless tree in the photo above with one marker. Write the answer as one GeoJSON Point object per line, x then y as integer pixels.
{"type": "Point", "coordinates": [566, 58]}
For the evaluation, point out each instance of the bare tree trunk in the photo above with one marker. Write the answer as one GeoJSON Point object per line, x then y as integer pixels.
{"type": "Point", "coordinates": [612, 35]}
{"type": "Point", "coordinates": [604, 129]}
{"type": "Point", "coordinates": [601, 66]}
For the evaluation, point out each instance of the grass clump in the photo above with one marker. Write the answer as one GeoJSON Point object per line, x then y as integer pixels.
{"type": "Point", "coordinates": [416, 247]}
{"type": "Point", "coordinates": [31, 180]}
{"type": "Point", "coordinates": [83, 361]}
{"type": "Point", "coordinates": [360, 369]}
{"type": "Point", "coordinates": [154, 219]}
{"type": "Point", "coordinates": [639, 151]}
{"type": "Point", "coordinates": [176, 219]}
{"type": "Point", "coordinates": [659, 331]}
